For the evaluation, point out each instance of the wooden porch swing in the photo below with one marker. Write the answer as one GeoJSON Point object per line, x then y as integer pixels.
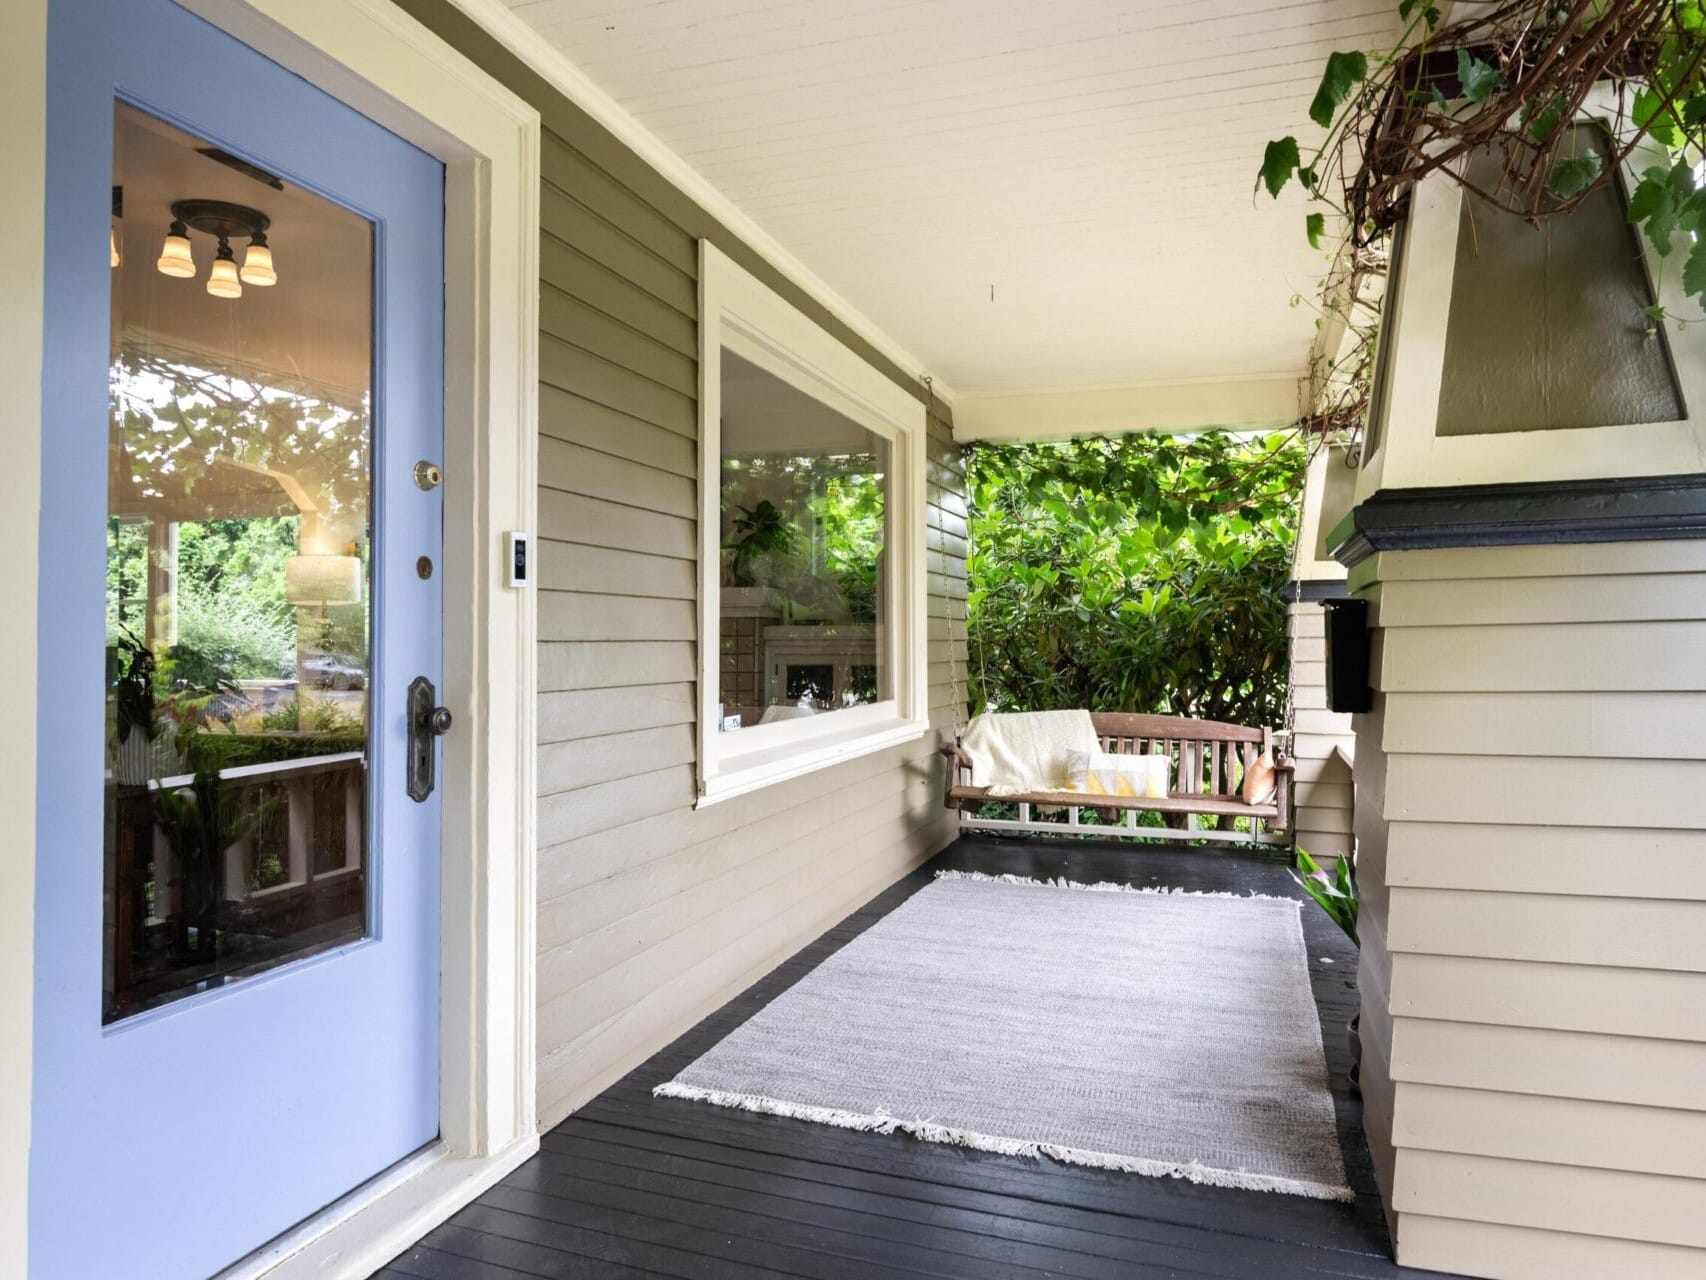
{"type": "Point", "coordinates": [1208, 757]}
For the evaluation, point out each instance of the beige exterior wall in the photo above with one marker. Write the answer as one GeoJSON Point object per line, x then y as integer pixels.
{"type": "Point", "coordinates": [1532, 846]}
{"type": "Point", "coordinates": [651, 912]}
{"type": "Point", "coordinates": [1323, 741]}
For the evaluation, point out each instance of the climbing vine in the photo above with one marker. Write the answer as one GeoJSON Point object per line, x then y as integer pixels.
{"type": "Point", "coordinates": [1504, 78]}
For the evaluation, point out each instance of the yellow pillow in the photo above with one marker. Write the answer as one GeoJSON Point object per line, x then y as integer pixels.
{"type": "Point", "coordinates": [1103, 773]}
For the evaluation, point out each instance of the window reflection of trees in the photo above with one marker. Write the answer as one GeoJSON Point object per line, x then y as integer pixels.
{"type": "Point", "coordinates": [810, 527]}
{"type": "Point", "coordinates": [179, 423]}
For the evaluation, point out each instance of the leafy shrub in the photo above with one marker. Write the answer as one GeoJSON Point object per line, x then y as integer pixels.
{"type": "Point", "coordinates": [251, 637]}
{"type": "Point", "coordinates": [1141, 573]}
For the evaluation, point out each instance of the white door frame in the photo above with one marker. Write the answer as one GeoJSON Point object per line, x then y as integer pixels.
{"type": "Point", "coordinates": [373, 56]}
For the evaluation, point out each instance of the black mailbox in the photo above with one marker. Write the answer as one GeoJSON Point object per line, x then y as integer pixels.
{"type": "Point", "coordinates": [1347, 656]}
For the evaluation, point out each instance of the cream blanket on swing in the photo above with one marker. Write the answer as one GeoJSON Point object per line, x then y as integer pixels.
{"type": "Point", "coordinates": [1019, 751]}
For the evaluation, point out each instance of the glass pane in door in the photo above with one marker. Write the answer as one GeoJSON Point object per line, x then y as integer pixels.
{"type": "Point", "coordinates": [239, 552]}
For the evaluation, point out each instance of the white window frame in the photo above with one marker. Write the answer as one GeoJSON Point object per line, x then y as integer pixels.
{"type": "Point", "coordinates": [740, 312]}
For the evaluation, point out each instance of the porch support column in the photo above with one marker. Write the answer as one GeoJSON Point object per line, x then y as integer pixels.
{"type": "Point", "coordinates": [1531, 833]}
{"type": "Point", "coordinates": [1530, 536]}
{"type": "Point", "coordinates": [162, 584]}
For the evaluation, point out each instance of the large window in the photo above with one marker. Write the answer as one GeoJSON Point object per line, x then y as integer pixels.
{"type": "Point", "coordinates": [811, 541]}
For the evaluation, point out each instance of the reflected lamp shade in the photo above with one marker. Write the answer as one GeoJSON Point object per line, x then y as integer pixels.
{"type": "Point", "coordinates": [222, 277]}
{"type": "Point", "coordinates": [257, 263]}
{"type": "Point", "coordinates": [322, 579]}
{"type": "Point", "coordinates": [176, 259]}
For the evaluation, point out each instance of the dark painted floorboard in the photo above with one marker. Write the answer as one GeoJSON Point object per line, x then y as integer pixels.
{"type": "Point", "coordinates": [633, 1185]}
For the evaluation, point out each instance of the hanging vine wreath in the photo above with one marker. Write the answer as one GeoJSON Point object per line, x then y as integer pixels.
{"type": "Point", "coordinates": [1504, 78]}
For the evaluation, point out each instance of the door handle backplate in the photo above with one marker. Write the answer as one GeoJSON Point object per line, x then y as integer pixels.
{"type": "Point", "coordinates": [427, 721]}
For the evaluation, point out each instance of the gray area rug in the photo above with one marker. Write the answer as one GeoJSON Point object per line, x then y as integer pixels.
{"type": "Point", "coordinates": [1168, 1034]}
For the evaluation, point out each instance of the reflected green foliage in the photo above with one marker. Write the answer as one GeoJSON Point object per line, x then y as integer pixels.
{"type": "Point", "coordinates": [230, 599]}
{"type": "Point", "coordinates": [1141, 573]}
{"type": "Point", "coordinates": [812, 527]}
{"type": "Point", "coordinates": [195, 438]}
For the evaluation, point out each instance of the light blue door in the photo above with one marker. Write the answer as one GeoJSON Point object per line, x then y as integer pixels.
{"type": "Point", "coordinates": [237, 869]}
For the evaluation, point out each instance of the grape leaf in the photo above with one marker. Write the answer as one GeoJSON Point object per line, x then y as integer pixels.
{"type": "Point", "coordinates": [1430, 12]}
{"type": "Point", "coordinates": [1344, 72]}
{"type": "Point", "coordinates": [1662, 200]}
{"type": "Point", "coordinates": [1572, 175]}
{"type": "Point", "coordinates": [1651, 113]}
{"type": "Point", "coordinates": [1279, 162]}
{"type": "Point", "coordinates": [1694, 271]}
{"type": "Point", "coordinates": [1475, 77]}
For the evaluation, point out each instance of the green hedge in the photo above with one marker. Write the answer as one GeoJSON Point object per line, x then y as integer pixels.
{"type": "Point", "coordinates": [1141, 573]}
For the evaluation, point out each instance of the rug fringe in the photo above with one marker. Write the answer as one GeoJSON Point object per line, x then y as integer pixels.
{"type": "Point", "coordinates": [929, 1131]}
{"type": "Point", "coordinates": [1109, 886]}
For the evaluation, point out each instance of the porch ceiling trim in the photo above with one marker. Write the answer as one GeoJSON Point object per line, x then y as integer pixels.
{"type": "Point", "coordinates": [1248, 404]}
{"type": "Point", "coordinates": [549, 63]}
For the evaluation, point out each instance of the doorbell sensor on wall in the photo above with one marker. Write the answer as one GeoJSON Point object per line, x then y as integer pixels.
{"type": "Point", "coordinates": [518, 565]}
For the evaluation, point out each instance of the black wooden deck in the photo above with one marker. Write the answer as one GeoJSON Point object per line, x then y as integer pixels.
{"type": "Point", "coordinates": [637, 1186]}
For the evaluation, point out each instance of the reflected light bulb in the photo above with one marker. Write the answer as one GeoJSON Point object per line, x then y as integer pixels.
{"type": "Point", "coordinates": [257, 262]}
{"type": "Point", "coordinates": [222, 279]}
{"type": "Point", "coordinates": [175, 256]}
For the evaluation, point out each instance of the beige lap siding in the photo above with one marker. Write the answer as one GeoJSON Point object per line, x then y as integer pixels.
{"type": "Point", "coordinates": [1323, 797]}
{"type": "Point", "coordinates": [652, 913]}
{"type": "Point", "coordinates": [1532, 844]}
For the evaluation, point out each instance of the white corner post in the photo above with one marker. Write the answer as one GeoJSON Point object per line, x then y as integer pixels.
{"type": "Point", "coordinates": [23, 196]}
{"type": "Point", "coordinates": [1323, 742]}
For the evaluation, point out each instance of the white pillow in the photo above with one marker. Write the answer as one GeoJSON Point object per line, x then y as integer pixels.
{"type": "Point", "coordinates": [1160, 776]}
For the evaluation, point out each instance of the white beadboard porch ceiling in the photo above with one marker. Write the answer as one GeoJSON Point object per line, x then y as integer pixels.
{"type": "Point", "coordinates": [1026, 196]}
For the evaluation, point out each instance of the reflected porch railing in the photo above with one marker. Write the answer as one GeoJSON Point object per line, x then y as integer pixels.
{"type": "Point", "coordinates": [283, 870]}
{"type": "Point", "coordinates": [300, 784]}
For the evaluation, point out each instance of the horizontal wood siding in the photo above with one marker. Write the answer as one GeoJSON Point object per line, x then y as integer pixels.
{"type": "Point", "coordinates": [1324, 792]}
{"type": "Point", "coordinates": [1534, 856]}
{"type": "Point", "coordinates": [652, 913]}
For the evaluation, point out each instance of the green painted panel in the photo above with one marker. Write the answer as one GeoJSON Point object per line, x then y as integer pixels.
{"type": "Point", "coordinates": [1547, 329]}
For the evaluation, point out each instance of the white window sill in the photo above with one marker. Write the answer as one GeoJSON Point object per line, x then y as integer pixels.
{"type": "Point", "coordinates": [765, 768]}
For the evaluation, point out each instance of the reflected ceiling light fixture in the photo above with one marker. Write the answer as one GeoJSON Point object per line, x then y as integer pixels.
{"type": "Point", "coordinates": [222, 220]}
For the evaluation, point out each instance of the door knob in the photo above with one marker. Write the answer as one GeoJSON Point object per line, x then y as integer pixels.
{"type": "Point", "coordinates": [438, 720]}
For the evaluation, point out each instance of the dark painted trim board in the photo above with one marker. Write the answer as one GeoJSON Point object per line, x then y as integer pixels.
{"type": "Point", "coordinates": [1616, 509]}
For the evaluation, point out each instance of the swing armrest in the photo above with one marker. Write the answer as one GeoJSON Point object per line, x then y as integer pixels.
{"type": "Point", "coordinates": [1285, 770]}
{"type": "Point", "coordinates": [957, 760]}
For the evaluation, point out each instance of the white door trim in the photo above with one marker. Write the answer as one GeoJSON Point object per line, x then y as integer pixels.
{"type": "Point", "coordinates": [371, 55]}
{"type": "Point", "coordinates": [23, 198]}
